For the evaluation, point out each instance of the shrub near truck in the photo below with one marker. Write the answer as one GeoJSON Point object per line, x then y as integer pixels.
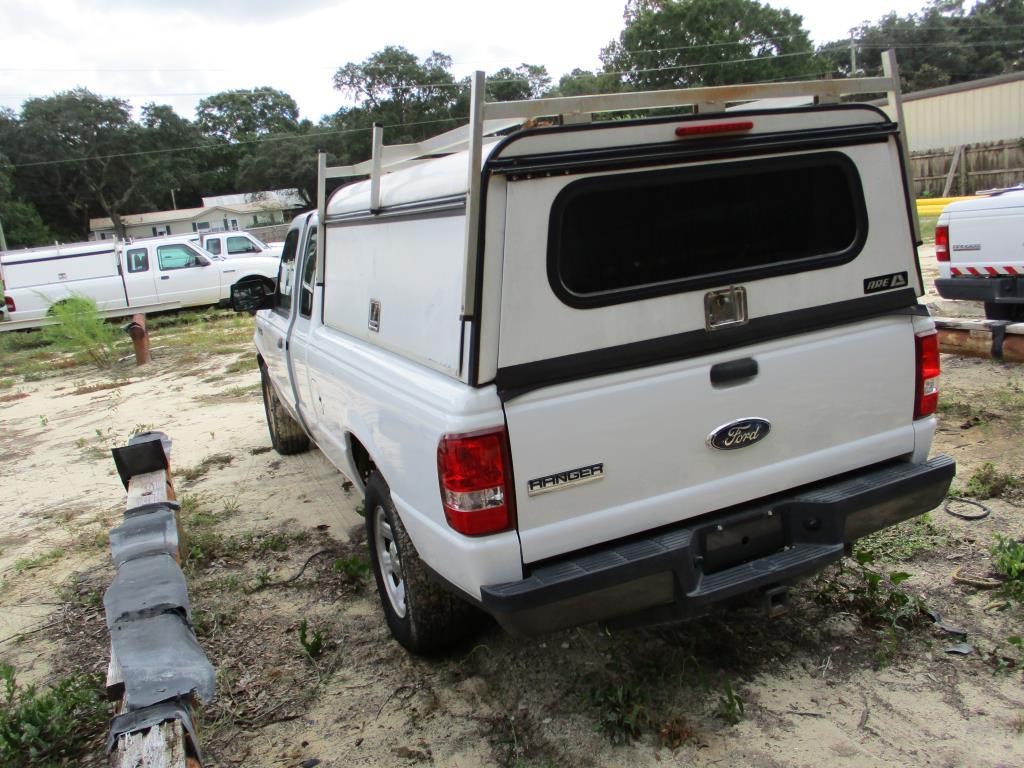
{"type": "Point", "coordinates": [621, 370]}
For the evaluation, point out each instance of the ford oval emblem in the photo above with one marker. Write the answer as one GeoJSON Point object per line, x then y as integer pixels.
{"type": "Point", "coordinates": [739, 434]}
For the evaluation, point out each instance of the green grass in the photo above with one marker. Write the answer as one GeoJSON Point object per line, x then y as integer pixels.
{"type": "Point", "coordinates": [928, 228]}
{"type": "Point", "coordinates": [39, 561]}
{"type": "Point", "coordinates": [988, 482]}
{"type": "Point", "coordinates": [1008, 559]}
{"type": "Point", "coordinates": [906, 540]}
{"type": "Point", "coordinates": [50, 728]}
{"type": "Point", "coordinates": [246, 363]}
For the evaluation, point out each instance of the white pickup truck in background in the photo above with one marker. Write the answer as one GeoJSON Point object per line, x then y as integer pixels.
{"type": "Point", "coordinates": [234, 244]}
{"type": "Point", "coordinates": [124, 275]}
{"type": "Point", "coordinates": [979, 245]}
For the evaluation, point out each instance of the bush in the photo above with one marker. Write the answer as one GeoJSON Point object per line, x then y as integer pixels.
{"type": "Point", "coordinates": [52, 728]}
{"type": "Point", "coordinates": [81, 329]}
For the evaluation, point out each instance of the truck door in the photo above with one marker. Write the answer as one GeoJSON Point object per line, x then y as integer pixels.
{"type": "Point", "coordinates": [185, 276]}
{"type": "Point", "coordinates": [139, 277]}
{"type": "Point", "coordinates": [301, 327]}
{"type": "Point", "coordinates": [272, 335]}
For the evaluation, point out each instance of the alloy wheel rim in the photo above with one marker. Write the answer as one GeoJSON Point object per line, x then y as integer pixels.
{"type": "Point", "coordinates": [390, 562]}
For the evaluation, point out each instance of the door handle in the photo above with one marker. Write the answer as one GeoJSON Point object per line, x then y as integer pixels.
{"type": "Point", "coordinates": [165, 277]}
{"type": "Point", "coordinates": [734, 370]}
{"type": "Point", "coordinates": [280, 343]}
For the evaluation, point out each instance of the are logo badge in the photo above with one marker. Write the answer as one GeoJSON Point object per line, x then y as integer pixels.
{"type": "Point", "coordinates": [739, 434]}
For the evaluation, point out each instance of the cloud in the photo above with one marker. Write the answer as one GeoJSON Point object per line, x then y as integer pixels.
{"type": "Point", "coordinates": [241, 12]}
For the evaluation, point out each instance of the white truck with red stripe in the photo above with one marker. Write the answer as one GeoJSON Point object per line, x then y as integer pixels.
{"type": "Point", "coordinates": [979, 245]}
{"type": "Point", "coordinates": [620, 370]}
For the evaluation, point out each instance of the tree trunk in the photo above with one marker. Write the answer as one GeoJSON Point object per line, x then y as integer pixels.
{"type": "Point", "coordinates": [115, 218]}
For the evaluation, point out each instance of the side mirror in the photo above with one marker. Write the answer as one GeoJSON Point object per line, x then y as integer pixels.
{"type": "Point", "coordinates": [249, 297]}
{"type": "Point", "coordinates": [203, 261]}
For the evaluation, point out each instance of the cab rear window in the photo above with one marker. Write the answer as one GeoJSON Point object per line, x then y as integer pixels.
{"type": "Point", "coordinates": [628, 236]}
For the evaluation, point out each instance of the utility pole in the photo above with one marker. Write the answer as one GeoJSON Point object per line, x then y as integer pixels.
{"type": "Point", "coordinates": [174, 203]}
{"type": "Point", "coordinates": [3, 240]}
{"type": "Point", "coordinates": [853, 55]}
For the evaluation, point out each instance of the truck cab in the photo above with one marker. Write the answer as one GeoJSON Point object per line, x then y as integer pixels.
{"type": "Point", "coordinates": [235, 244]}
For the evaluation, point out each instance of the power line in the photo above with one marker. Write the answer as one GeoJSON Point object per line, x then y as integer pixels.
{"type": "Point", "coordinates": [264, 140]}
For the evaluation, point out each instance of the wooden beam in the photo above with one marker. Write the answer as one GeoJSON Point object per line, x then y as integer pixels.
{"type": "Point", "coordinates": [952, 170]}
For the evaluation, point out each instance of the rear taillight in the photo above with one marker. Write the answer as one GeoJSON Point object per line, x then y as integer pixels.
{"type": "Point", "coordinates": [926, 394]}
{"type": "Point", "coordinates": [706, 129]}
{"type": "Point", "coordinates": [942, 243]}
{"type": "Point", "coordinates": [9, 302]}
{"type": "Point", "coordinates": [475, 474]}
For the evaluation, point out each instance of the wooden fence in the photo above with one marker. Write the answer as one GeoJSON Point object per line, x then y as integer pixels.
{"type": "Point", "coordinates": [967, 169]}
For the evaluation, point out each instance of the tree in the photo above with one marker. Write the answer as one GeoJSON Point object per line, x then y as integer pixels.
{"type": "Point", "coordinates": [289, 163]}
{"type": "Point", "coordinates": [938, 45]}
{"type": "Point", "coordinates": [581, 82]}
{"type": "Point", "coordinates": [83, 152]}
{"type": "Point", "coordinates": [21, 222]}
{"type": "Point", "coordinates": [244, 115]}
{"type": "Point", "coordinates": [394, 87]}
{"type": "Point", "coordinates": [527, 81]}
{"type": "Point", "coordinates": [688, 43]}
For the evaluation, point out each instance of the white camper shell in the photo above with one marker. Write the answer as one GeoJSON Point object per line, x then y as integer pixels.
{"type": "Point", "coordinates": [598, 369]}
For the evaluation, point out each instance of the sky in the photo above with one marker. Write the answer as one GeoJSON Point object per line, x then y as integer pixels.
{"type": "Point", "coordinates": [178, 51]}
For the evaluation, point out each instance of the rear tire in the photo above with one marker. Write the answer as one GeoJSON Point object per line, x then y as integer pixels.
{"type": "Point", "coordinates": [286, 434]}
{"type": "Point", "coordinates": [1011, 312]}
{"type": "Point", "coordinates": [423, 616]}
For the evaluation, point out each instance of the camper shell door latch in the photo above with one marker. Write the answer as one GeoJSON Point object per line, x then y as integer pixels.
{"type": "Point", "coordinates": [725, 307]}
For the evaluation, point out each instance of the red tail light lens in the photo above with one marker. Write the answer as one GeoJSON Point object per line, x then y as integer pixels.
{"type": "Point", "coordinates": [475, 473]}
{"type": "Point", "coordinates": [926, 396]}
{"type": "Point", "coordinates": [10, 304]}
{"type": "Point", "coordinates": [942, 243]}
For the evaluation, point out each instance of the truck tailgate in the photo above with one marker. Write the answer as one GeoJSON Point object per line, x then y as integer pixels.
{"type": "Point", "coordinates": [606, 457]}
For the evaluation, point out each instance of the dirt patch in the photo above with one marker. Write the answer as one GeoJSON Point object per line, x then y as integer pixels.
{"type": "Point", "coordinates": [847, 678]}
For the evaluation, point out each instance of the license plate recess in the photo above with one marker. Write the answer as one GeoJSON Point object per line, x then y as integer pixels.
{"type": "Point", "coordinates": [740, 541]}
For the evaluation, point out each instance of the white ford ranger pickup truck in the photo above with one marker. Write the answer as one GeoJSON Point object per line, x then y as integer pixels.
{"type": "Point", "coordinates": [622, 370]}
{"type": "Point", "coordinates": [979, 245]}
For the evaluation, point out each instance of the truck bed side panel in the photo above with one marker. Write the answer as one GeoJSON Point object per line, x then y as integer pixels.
{"type": "Point", "coordinates": [393, 283]}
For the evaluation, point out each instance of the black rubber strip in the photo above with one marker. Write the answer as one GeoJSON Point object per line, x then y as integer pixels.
{"type": "Point", "coordinates": [516, 380]}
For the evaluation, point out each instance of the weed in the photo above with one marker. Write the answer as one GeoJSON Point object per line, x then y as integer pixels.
{"type": "Point", "coordinates": [355, 569]}
{"type": "Point", "coordinates": [730, 705]}
{"type": "Point", "coordinates": [233, 392]}
{"type": "Point", "coordinates": [138, 429]}
{"type": "Point", "coordinates": [81, 329]}
{"type": "Point", "coordinates": [262, 579]}
{"type": "Point", "coordinates": [1018, 724]}
{"type": "Point", "coordinates": [675, 732]}
{"type": "Point", "coordinates": [1005, 659]}
{"type": "Point", "coordinates": [1008, 558]}
{"type": "Point", "coordinates": [989, 483]}
{"type": "Point", "coordinates": [216, 460]}
{"type": "Point", "coordinates": [273, 542]}
{"type": "Point", "coordinates": [206, 546]}
{"type": "Point", "coordinates": [622, 712]}
{"type": "Point", "coordinates": [6, 383]}
{"type": "Point", "coordinates": [39, 561]}
{"type": "Point", "coordinates": [43, 421]}
{"type": "Point", "coordinates": [904, 541]}
{"type": "Point", "coordinates": [313, 646]}
{"type": "Point", "coordinates": [190, 503]}
{"type": "Point", "coordinates": [48, 728]}
{"type": "Point", "coordinates": [247, 363]}
{"type": "Point", "coordinates": [230, 506]}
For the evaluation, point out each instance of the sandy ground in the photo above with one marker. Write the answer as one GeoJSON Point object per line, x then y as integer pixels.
{"type": "Point", "coordinates": [828, 683]}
